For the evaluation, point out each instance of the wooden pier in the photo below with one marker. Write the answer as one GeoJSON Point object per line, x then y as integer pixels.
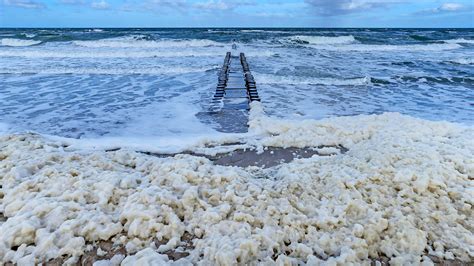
{"type": "Point", "coordinates": [236, 89]}
{"type": "Point", "coordinates": [236, 86]}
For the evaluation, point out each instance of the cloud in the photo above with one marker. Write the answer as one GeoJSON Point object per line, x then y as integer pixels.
{"type": "Point", "coordinates": [185, 6]}
{"type": "Point", "coordinates": [100, 5]}
{"type": "Point", "coordinates": [450, 7]}
{"type": "Point", "coordinates": [24, 4]}
{"type": "Point", "coordinates": [220, 5]}
{"type": "Point", "coordinates": [215, 5]}
{"type": "Point", "coordinates": [445, 8]}
{"type": "Point", "coordinates": [337, 7]}
{"type": "Point", "coordinates": [73, 2]}
{"type": "Point", "coordinates": [167, 3]}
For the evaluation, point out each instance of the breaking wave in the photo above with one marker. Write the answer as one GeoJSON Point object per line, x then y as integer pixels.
{"type": "Point", "coordinates": [109, 71]}
{"type": "Point", "coordinates": [303, 39]}
{"type": "Point", "coordinates": [108, 54]}
{"type": "Point", "coordinates": [17, 42]}
{"type": "Point", "coordinates": [382, 48]}
{"type": "Point", "coordinates": [140, 42]}
{"type": "Point", "coordinates": [463, 61]}
{"type": "Point", "coordinates": [294, 80]}
{"type": "Point", "coordinates": [460, 41]}
{"type": "Point", "coordinates": [123, 53]}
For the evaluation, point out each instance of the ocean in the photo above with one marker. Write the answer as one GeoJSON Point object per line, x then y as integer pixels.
{"type": "Point", "coordinates": [93, 83]}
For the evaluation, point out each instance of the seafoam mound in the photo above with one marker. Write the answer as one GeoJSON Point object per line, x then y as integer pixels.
{"type": "Point", "coordinates": [402, 190]}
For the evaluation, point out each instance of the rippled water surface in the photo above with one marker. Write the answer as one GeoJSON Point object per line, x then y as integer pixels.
{"type": "Point", "coordinates": [153, 82]}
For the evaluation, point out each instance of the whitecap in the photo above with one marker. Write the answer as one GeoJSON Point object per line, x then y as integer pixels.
{"type": "Point", "coordinates": [294, 80]}
{"type": "Point", "coordinates": [387, 48]}
{"type": "Point", "coordinates": [17, 42]}
{"type": "Point", "coordinates": [140, 42]}
{"type": "Point", "coordinates": [107, 54]}
{"type": "Point", "coordinates": [463, 61]}
{"type": "Point", "coordinates": [322, 39]}
{"type": "Point", "coordinates": [107, 71]}
{"type": "Point", "coordinates": [124, 53]}
{"type": "Point", "coordinates": [459, 41]}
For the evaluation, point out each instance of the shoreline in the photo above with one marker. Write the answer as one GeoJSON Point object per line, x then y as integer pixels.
{"type": "Point", "coordinates": [367, 189]}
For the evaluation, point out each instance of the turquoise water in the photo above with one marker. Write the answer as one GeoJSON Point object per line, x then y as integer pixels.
{"type": "Point", "coordinates": [152, 82]}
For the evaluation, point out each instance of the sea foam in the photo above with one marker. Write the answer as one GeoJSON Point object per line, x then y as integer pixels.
{"type": "Point", "coordinates": [395, 192]}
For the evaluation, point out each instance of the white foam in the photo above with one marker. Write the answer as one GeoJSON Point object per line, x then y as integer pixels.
{"type": "Point", "coordinates": [163, 145]}
{"type": "Point", "coordinates": [253, 31]}
{"type": "Point", "coordinates": [106, 71]}
{"type": "Point", "coordinates": [463, 61]}
{"type": "Point", "coordinates": [107, 54]}
{"type": "Point", "coordinates": [127, 53]}
{"type": "Point", "coordinates": [137, 42]}
{"type": "Point", "coordinates": [294, 80]}
{"type": "Point", "coordinates": [323, 39]}
{"type": "Point", "coordinates": [348, 43]}
{"type": "Point", "coordinates": [389, 48]}
{"type": "Point", "coordinates": [398, 192]}
{"type": "Point", "coordinates": [17, 42]}
{"type": "Point", "coordinates": [460, 40]}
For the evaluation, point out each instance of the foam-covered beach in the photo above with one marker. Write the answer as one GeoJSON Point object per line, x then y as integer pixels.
{"type": "Point", "coordinates": [403, 190]}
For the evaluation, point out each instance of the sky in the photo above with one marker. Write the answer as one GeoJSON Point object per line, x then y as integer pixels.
{"type": "Point", "coordinates": [243, 13]}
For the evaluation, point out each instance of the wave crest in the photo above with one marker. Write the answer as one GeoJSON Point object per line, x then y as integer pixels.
{"type": "Point", "coordinates": [108, 71]}
{"type": "Point", "coordinates": [322, 39]}
{"type": "Point", "coordinates": [460, 41]}
{"type": "Point", "coordinates": [17, 42]}
{"type": "Point", "coordinates": [137, 42]}
{"type": "Point", "coordinates": [463, 61]}
{"type": "Point", "coordinates": [293, 80]}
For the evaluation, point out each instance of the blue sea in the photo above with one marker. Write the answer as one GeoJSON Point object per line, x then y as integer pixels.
{"type": "Point", "coordinates": [92, 83]}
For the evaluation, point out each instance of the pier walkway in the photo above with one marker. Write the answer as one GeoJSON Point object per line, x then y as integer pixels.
{"type": "Point", "coordinates": [236, 88]}
{"type": "Point", "coordinates": [236, 85]}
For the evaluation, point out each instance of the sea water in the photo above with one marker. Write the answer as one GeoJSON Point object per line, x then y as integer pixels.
{"type": "Point", "coordinates": [97, 83]}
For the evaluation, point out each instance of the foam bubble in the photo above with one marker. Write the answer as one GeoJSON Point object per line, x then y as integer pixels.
{"type": "Point", "coordinates": [17, 42]}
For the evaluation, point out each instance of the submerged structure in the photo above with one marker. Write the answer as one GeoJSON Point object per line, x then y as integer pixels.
{"type": "Point", "coordinates": [236, 88]}
{"type": "Point", "coordinates": [236, 85]}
